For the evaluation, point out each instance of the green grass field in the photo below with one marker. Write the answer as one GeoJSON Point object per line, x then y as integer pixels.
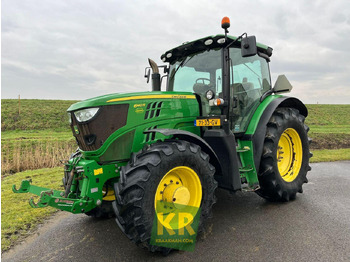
{"type": "Point", "coordinates": [329, 126]}
{"type": "Point", "coordinates": [34, 114]}
{"type": "Point", "coordinates": [17, 217]}
{"type": "Point", "coordinates": [40, 133]}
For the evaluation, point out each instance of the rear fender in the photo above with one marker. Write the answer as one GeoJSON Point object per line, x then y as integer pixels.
{"type": "Point", "coordinates": [259, 134]}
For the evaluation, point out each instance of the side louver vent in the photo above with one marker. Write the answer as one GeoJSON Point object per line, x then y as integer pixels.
{"type": "Point", "coordinates": [153, 110]}
{"type": "Point", "coordinates": [150, 136]}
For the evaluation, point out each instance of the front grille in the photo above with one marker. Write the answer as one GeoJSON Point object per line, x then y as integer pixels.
{"type": "Point", "coordinates": [91, 135]}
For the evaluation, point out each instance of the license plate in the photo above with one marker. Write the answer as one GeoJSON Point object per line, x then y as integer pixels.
{"type": "Point", "coordinates": [208, 122]}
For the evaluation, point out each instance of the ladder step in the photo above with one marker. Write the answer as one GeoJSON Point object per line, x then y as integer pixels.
{"type": "Point", "coordinates": [244, 149]}
{"type": "Point", "coordinates": [245, 169]}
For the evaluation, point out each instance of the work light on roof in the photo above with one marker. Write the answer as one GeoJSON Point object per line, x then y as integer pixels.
{"type": "Point", "coordinates": [208, 41]}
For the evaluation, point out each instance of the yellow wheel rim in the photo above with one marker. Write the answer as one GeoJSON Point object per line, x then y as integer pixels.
{"type": "Point", "coordinates": [110, 194]}
{"type": "Point", "coordinates": [179, 188]}
{"type": "Point", "coordinates": [289, 154]}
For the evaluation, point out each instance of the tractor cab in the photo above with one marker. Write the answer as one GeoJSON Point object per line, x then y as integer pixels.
{"type": "Point", "coordinates": [202, 73]}
{"type": "Point", "coordinates": [230, 75]}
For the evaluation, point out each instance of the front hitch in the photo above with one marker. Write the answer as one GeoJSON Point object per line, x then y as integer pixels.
{"type": "Point", "coordinates": [84, 187]}
{"type": "Point", "coordinates": [54, 198]}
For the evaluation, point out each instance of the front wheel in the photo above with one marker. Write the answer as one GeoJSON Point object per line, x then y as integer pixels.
{"type": "Point", "coordinates": [285, 159]}
{"type": "Point", "coordinates": [165, 176]}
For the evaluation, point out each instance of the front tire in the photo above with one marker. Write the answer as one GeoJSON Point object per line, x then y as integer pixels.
{"type": "Point", "coordinates": [163, 167]}
{"type": "Point", "coordinates": [285, 159]}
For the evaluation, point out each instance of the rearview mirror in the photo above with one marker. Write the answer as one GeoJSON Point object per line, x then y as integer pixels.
{"type": "Point", "coordinates": [248, 46]}
{"type": "Point", "coordinates": [147, 73]}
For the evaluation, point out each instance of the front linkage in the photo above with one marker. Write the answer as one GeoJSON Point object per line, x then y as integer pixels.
{"type": "Point", "coordinates": [84, 182]}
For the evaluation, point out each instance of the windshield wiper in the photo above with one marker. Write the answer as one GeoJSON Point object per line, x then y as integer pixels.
{"type": "Point", "coordinates": [182, 64]}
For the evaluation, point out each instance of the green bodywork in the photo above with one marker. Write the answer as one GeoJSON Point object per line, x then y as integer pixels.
{"type": "Point", "coordinates": [177, 113]}
{"type": "Point", "coordinates": [93, 170]}
{"type": "Point", "coordinates": [245, 147]}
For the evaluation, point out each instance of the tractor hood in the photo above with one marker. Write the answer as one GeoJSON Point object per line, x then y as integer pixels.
{"type": "Point", "coordinates": [119, 118]}
{"type": "Point", "coordinates": [128, 97]}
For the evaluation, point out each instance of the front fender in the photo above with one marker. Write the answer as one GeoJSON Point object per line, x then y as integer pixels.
{"type": "Point", "coordinates": [192, 138]}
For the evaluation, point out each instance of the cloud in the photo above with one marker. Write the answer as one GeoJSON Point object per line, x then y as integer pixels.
{"type": "Point", "coordinates": [80, 49]}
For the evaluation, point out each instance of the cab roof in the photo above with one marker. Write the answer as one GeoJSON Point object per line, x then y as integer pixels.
{"type": "Point", "coordinates": [207, 43]}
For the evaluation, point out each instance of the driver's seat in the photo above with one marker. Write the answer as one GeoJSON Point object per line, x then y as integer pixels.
{"type": "Point", "coordinates": [200, 88]}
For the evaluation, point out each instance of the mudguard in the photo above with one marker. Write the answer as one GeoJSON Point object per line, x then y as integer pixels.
{"type": "Point", "coordinates": [259, 134]}
{"type": "Point", "coordinates": [192, 138]}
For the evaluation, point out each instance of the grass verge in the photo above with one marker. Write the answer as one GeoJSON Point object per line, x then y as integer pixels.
{"type": "Point", "coordinates": [330, 155]}
{"type": "Point", "coordinates": [18, 219]}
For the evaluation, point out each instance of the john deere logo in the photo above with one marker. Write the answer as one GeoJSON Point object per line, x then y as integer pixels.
{"type": "Point", "coordinates": [76, 130]}
{"type": "Point", "coordinates": [139, 105]}
{"type": "Point", "coordinates": [175, 227]}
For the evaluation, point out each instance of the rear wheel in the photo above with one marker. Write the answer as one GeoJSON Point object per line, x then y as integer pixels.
{"type": "Point", "coordinates": [165, 176]}
{"type": "Point", "coordinates": [285, 159]}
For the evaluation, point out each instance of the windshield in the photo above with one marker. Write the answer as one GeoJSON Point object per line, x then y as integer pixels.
{"type": "Point", "coordinates": [202, 71]}
{"type": "Point", "coordinates": [196, 73]}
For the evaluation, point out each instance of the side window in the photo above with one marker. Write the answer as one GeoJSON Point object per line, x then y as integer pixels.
{"type": "Point", "coordinates": [246, 88]}
{"type": "Point", "coordinates": [248, 73]}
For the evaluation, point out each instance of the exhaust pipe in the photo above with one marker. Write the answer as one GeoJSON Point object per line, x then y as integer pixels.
{"type": "Point", "coordinates": [155, 75]}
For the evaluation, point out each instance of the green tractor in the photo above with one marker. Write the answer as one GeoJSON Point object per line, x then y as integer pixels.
{"type": "Point", "coordinates": [219, 123]}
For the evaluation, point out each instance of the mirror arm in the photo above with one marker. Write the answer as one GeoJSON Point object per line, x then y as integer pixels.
{"type": "Point", "coordinates": [265, 56]}
{"type": "Point", "coordinates": [266, 94]}
{"type": "Point", "coordinates": [236, 40]}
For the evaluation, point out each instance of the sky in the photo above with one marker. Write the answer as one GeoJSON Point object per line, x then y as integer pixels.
{"type": "Point", "coordinates": [75, 50]}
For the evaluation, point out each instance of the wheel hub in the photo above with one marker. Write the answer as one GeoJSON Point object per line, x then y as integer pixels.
{"type": "Point", "coordinates": [177, 194]}
{"type": "Point", "coordinates": [180, 188]}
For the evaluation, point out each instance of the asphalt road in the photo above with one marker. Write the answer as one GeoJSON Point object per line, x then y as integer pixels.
{"type": "Point", "coordinates": [244, 227]}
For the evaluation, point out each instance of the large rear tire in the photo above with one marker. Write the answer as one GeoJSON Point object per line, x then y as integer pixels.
{"type": "Point", "coordinates": [163, 168]}
{"type": "Point", "coordinates": [285, 159]}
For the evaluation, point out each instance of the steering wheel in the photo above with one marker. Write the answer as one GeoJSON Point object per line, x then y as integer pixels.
{"type": "Point", "coordinates": [203, 79]}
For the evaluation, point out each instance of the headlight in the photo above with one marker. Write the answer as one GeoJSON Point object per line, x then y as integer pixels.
{"type": "Point", "coordinates": [210, 94]}
{"type": "Point", "coordinates": [85, 114]}
{"type": "Point", "coordinates": [69, 118]}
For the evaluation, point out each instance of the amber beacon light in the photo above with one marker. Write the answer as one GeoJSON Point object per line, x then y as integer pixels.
{"type": "Point", "coordinates": [225, 22]}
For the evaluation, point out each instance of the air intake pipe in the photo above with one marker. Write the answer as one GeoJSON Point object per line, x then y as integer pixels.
{"type": "Point", "coordinates": [155, 75]}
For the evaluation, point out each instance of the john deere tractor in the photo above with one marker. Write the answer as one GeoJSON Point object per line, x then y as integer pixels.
{"type": "Point", "coordinates": [220, 123]}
